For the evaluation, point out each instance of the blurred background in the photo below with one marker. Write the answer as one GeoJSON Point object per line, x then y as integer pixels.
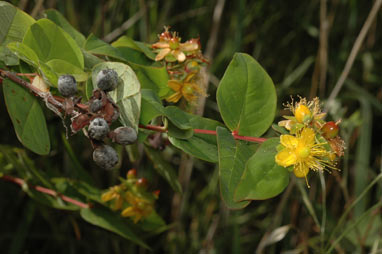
{"type": "Point", "coordinates": [304, 47]}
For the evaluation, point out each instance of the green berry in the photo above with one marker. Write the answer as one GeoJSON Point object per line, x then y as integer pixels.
{"type": "Point", "coordinates": [67, 85]}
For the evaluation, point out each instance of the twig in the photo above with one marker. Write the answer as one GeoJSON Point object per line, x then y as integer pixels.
{"type": "Point", "coordinates": [126, 25]}
{"type": "Point", "coordinates": [353, 53]}
{"type": "Point", "coordinates": [47, 191]}
{"type": "Point", "coordinates": [207, 132]}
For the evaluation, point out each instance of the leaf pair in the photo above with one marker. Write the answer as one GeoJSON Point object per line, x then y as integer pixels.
{"type": "Point", "coordinates": [247, 102]}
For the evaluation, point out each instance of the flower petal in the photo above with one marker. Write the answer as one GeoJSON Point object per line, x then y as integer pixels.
{"type": "Point", "coordinates": [286, 157]}
{"type": "Point", "coordinates": [160, 45]}
{"type": "Point", "coordinates": [174, 97]}
{"type": "Point", "coordinates": [189, 46]}
{"type": "Point", "coordinates": [164, 52]}
{"type": "Point", "coordinates": [300, 170]}
{"type": "Point", "coordinates": [307, 136]}
{"type": "Point", "coordinates": [175, 85]}
{"type": "Point", "coordinates": [289, 141]}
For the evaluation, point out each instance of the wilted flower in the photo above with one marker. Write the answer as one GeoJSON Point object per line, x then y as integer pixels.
{"type": "Point", "coordinates": [188, 88]}
{"type": "Point", "coordinates": [171, 49]}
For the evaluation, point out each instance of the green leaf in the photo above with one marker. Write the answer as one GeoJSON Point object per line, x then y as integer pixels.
{"type": "Point", "coordinates": [202, 146]}
{"type": "Point", "coordinates": [50, 41]}
{"type": "Point", "coordinates": [27, 54]}
{"type": "Point", "coordinates": [125, 41]}
{"type": "Point", "coordinates": [99, 47]}
{"type": "Point", "coordinates": [104, 218]}
{"type": "Point", "coordinates": [127, 95]}
{"type": "Point", "coordinates": [13, 23]}
{"type": "Point", "coordinates": [164, 168]}
{"type": "Point", "coordinates": [63, 67]}
{"type": "Point", "coordinates": [246, 97]}
{"type": "Point", "coordinates": [262, 178]}
{"type": "Point", "coordinates": [232, 158]}
{"type": "Point", "coordinates": [60, 20]}
{"type": "Point", "coordinates": [27, 118]}
{"type": "Point", "coordinates": [154, 78]}
{"type": "Point", "coordinates": [151, 106]}
{"type": "Point", "coordinates": [134, 56]}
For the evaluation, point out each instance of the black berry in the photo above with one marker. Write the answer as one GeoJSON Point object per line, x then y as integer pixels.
{"type": "Point", "coordinates": [67, 85]}
{"type": "Point", "coordinates": [96, 106]}
{"type": "Point", "coordinates": [124, 136]}
{"type": "Point", "coordinates": [98, 129]}
{"type": "Point", "coordinates": [105, 156]}
{"type": "Point", "coordinates": [107, 80]}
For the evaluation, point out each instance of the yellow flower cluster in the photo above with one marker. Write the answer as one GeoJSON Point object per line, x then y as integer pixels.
{"type": "Point", "coordinates": [183, 62]}
{"type": "Point", "coordinates": [312, 143]}
{"type": "Point", "coordinates": [131, 198]}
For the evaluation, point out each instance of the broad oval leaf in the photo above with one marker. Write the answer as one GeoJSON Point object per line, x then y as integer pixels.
{"type": "Point", "coordinates": [262, 178]}
{"type": "Point", "coordinates": [246, 97]}
{"type": "Point", "coordinates": [127, 95]}
{"type": "Point", "coordinates": [50, 41]}
{"type": "Point", "coordinates": [99, 47]}
{"type": "Point", "coordinates": [232, 158]}
{"type": "Point", "coordinates": [60, 20]}
{"type": "Point", "coordinates": [13, 23]}
{"type": "Point", "coordinates": [104, 218]}
{"type": "Point", "coordinates": [27, 118]}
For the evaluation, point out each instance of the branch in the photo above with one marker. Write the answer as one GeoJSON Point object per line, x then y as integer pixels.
{"type": "Point", "coordinates": [47, 191]}
{"type": "Point", "coordinates": [202, 131]}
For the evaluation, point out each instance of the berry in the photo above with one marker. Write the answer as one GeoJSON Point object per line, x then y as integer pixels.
{"type": "Point", "coordinates": [124, 136]}
{"type": "Point", "coordinates": [67, 85]}
{"type": "Point", "coordinates": [107, 80]}
{"type": "Point", "coordinates": [132, 174]}
{"type": "Point", "coordinates": [330, 130]}
{"type": "Point", "coordinates": [105, 156]}
{"type": "Point", "coordinates": [98, 128]}
{"type": "Point", "coordinates": [96, 106]}
{"type": "Point", "coordinates": [142, 183]}
{"type": "Point", "coordinates": [302, 114]}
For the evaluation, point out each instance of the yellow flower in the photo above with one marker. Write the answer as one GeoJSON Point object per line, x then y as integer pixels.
{"type": "Point", "coordinates": [139, 208]}
{"type": "Point", "coordinates": [113, 193]}
{"type": "Point", "coordinates": [303, 153]}
{"type": "Point", "coordinates": [187, 88]}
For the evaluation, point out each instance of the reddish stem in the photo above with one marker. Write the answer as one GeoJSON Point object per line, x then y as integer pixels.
{"type": "Point", "coordinates": [208, 132]}
{"type": "Point", "coordinates": [41, 189]}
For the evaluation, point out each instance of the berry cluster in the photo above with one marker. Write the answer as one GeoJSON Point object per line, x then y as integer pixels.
{"type": "Point", "coordinates": [98, 114]}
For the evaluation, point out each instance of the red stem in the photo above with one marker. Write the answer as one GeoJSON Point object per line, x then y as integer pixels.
{"type": "Point", "coordinates": [41, 189]}
{"type": "Point", "coordinates": [57, 101]}
{"type": "Point", "coordinates": [202, 131]}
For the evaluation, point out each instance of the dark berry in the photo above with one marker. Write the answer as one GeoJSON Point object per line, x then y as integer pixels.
{"type": "Point", "coordinates": [105, 156]}
{"type": "Point", "coordinates": [98, 129]}
{"type": "Point", "coordinates": [107, 80]}
{"type": "Point", "coordinates": [67, 85]}
{"type": "Point", "coordinates": [96, 106]}
{"type": "Point", "coordinates": [124, 136]}
{"type": "Point", "coordinates": [330, 130]}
